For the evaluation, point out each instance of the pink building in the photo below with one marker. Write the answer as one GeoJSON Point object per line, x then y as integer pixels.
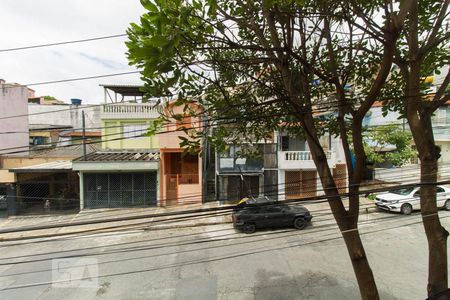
{"type": "Point", "coordinates": [181, 174]}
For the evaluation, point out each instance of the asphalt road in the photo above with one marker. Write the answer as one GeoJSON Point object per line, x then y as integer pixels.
{"type": "Point", "coordinates": [216, 262]}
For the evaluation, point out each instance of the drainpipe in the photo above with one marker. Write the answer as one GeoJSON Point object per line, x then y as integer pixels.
{"type": "Point", "coordinates": [205, 156]}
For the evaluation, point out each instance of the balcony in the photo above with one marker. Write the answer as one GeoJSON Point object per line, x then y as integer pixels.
{"type": "Point", "coordinates": [289, 160]}
{"type": "Point", "coordinates": [129, 111]}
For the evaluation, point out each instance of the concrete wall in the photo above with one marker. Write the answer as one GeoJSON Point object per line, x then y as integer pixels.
{"type": "Point", "coordinates": [444, 160]}
{"type": "Point", "coordinates": [65, 115]}
{"type": "Point", "coordinates": [13, 102]}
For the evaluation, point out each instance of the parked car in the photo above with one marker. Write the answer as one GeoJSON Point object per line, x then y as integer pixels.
{"type": "Point", "coordinates": [273, 214]}
{"type": "Point", "coordinates": [405, 200]}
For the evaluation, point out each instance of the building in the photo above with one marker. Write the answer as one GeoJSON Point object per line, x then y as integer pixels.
{"type": "Point", "coordinates": [297, 172]}
{"type": "Point", "coordinates": [43, 181]}
{"type": "Point", "coordinates": [181, 172]}
{"type": "Point", "coordinates": [249, 176]}
{"type": "Point", "coordinates": [14, 118]}
{"type": "Point", "coordinates": [125, 172]}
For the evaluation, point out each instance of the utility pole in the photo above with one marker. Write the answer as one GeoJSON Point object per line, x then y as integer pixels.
{"type": "Point", "coordinates": [84, 134]}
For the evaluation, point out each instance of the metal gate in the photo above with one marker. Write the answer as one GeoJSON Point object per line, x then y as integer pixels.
{"type": "Point", "coordinates": [119, 189]}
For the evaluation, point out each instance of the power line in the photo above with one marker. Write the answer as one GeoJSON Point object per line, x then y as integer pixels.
{"type": "Point", "coordinates": [224, 208]}
{"type": "Point", "coordinates": [64, 43]}
{"type": "Point", "coordinates": [82, 78]}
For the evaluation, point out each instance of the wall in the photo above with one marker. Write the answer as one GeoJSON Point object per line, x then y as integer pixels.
{"type": "Point", "coordinates": [444, 160]}
{"type": "Point", "coordinates": [406, 174]}
{"type": "Point", "coordinates": [65, 115]}
{"type": "Point", "coordinates": [17, 162]}
{"type": "Point", "coordinates": [112, 129]}
{"type": "Point", "coordinates": [13, 101]}
{"type": "Point", "coordinates": [169, 139]}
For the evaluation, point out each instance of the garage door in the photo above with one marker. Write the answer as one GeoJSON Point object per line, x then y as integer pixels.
{"type": "Point", "coordinates": [119, 189]}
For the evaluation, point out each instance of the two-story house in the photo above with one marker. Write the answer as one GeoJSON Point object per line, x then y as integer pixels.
{"type": "Point", "coordinates": [126, 171]}
{"type": "Point", "coordinates": [239, 176]}
{"type": "Point", "coordinates": [297, 172]}
{"type": "Point", "coordinates": [181, 172]}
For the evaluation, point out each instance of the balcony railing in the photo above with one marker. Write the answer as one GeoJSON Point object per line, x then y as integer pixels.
{"type": "Point", "coordinates": [301, 159]}
{"type": "Point", "coordinates": [129, 111]}
{"type": "Point", "coordinates": [301, 155]}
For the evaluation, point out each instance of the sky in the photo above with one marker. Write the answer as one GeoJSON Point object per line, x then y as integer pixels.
{"type": "Point", "coordinates": [26, 23]}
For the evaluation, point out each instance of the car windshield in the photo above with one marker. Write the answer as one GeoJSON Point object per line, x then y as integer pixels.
{"type": "Point", "coordinates": [403, 191]}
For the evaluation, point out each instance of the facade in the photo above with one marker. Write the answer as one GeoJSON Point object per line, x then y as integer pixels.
{"type": "Point", "coordinates": [297, 172]}
{"type": "Point", "coordinates": [41, 176]}
{"type": "Point", "coordinates": [118, 179]}
{"type": "Point", "coordinates": [181, 173]}
{"type": "Point", "coordinates": [124, 124]}
{"type": "Point", "coordinates": [253, 176]}
{"type": "Point", "coordinates": [125, 172]}
{"type": "Point", "coordinates": [13, 102]}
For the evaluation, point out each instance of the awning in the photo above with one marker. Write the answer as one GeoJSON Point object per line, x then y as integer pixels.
{"type": "Point", "coordinates": [54, 166]}
{"type": "Point", "coordinates": [118, 161]}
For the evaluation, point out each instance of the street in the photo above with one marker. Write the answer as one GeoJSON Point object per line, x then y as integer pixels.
{"type": "Point", "coordinates": [217, 262]}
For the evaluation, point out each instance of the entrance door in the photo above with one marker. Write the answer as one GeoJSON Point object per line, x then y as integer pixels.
{"type": "Point", "coordinates": [300, 184]}
{"type": "Point", "coordinates": [309, 183]}
{"type": "Point", "coordinates": [292, 179]}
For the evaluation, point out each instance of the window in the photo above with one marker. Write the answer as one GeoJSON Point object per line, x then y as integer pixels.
{"type": "Point", "coordinates": [273, 209]}
{"type": "Point", "coordinates": [133, 131]}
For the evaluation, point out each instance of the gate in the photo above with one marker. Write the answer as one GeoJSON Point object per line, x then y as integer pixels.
{"type": "Point", "coordinates": [102, 190]}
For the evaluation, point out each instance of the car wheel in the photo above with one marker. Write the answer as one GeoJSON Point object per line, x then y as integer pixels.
{"type": "Point", "coordinates": [249, 228]}
{"type": "Point", "coordinates": [300, 223]}
{"type": "Point", "coordinates": [447, 204]}
{"type": "Point", "coordinates": [406, 209]}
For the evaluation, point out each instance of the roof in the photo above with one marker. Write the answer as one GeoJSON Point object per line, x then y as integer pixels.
{"type": "Point", "coordinates": [102, 156]}
{"type": "Point", "coordinates": [125, 90]}
{"type": "Point", "coordinates": [54, 166]}
{"type": "Point", "coordinates": [71, 151]}
{"type": "Point", "coordinates": [79, 133]}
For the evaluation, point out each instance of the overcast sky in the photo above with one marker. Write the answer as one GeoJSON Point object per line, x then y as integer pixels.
{"type": "Point", "coordinates": [25, 23]}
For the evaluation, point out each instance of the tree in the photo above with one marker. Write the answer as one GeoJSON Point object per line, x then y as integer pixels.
{"type": "Point", "coordinates": [376, 140]}
{"type": "Point", "coordinates": [256, 65]}
{"type": "Point", "coordinates": [423, 50]}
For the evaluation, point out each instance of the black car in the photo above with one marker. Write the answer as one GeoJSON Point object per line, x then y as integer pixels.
{"type": "Point", "coordinates": [275, 214]}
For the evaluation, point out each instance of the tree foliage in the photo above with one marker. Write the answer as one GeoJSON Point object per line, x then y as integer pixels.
{"type": "Point", "coordinates": [388, 144]}
{"type": "Point", "coordinates": [309, 66]}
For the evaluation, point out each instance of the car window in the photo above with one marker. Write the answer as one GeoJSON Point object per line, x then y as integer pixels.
{"type": "Point", "coordinates": [272, 209]}
{"type": "Point", "coordinates": [403, 191]}
{"type": "Point", "coordinates": [252, 210]}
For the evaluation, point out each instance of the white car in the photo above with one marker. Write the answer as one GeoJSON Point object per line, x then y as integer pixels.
{"type": "Point", "coordinates": [405, 200]}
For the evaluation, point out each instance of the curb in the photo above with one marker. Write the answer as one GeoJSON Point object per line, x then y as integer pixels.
{"type": "Point", "coordinates": [177, 226]}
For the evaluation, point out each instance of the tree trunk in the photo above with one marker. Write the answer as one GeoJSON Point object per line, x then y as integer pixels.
{"type": "Point", "coordinates": [347, 221]}
{"type": "Point", "coordinates": [361, 267]}
{"type": "Point", "coordinates": [436, 234]}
